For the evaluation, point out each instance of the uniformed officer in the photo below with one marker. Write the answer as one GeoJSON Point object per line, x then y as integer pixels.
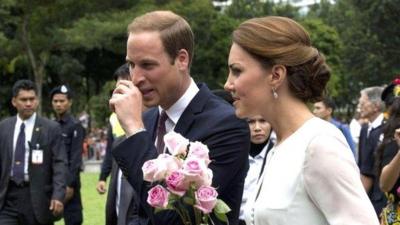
{"type": "Point", "coordinates": [73, 134]}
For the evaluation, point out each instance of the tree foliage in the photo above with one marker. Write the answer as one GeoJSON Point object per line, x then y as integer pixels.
{"type": "Point", "coordinates": [81, 43]}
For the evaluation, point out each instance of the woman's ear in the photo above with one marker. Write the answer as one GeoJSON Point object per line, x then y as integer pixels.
{"type": "Point", "coordinates": [278, 73]}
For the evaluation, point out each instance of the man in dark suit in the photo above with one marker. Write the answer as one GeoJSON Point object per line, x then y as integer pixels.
{"type": "Point", "coordinates": [120, 206]}
{"type": "Point", "coordinates": [371, 107]}
{"type": "Point", "coordinates": [33, 166]}
{"type": "Point", "coordinates": [159, 52]}
{"type": "Point", "coordinates": [73, 135]}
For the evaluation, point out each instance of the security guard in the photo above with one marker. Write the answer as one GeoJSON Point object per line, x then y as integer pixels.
{"type": "Point", "coordinates": [73, 134]}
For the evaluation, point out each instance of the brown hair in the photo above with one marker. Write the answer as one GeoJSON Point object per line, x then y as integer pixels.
{"type": "Point", "coordinates": [175, 32]}
{"type": "Point", "coordinates": [278, 40]}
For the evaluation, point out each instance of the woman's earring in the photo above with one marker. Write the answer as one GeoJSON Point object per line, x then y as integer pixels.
{"type": "Point", "coordinates": [274, 93]}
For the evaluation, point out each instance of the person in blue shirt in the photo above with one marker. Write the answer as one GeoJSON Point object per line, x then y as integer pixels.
{"type": "Point", "coordinates": [324, 109]}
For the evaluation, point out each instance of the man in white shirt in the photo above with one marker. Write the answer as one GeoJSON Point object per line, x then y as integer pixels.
{"type": "Point", "coordinates": [33, 163]}
{"type": "Point", "coordinates": [371, 107]}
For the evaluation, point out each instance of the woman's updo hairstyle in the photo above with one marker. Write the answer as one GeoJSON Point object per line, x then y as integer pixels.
{"type": "Point", "coordinates": [274, 40]}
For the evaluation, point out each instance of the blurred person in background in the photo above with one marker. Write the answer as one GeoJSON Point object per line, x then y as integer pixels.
{"type": "Point", "coordinates": [260, 133]}
{"type": "Point", "coordinates": [325, 109]}
{"type": "Point", "coordinates": [73, 136]}
{"type": "Point", "coordinates": [371, 107]}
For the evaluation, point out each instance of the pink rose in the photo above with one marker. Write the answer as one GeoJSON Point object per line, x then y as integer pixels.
{"type": "Point", "coordinates": [176, 183]}
{"type": "Point", "coordinates": [200, 151]}
{"type": "Point", "coordinates": [206, 199]}
{"type": "Point", "coordinates": [207, 178]}
{"type": "Point", "coordinates": [195, 171]}
{"type": "Point", "coordinates": [149, 168]}
{"type": "Point", "coordinates": [176, 143]}
{"type": "Point", "coordinates": [158, 197]}
{"type": "Point", "coordinates": [166, 164]}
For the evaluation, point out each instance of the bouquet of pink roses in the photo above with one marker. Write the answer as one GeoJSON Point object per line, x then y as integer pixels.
{"type": "Point", "coordinates": [184, 181]}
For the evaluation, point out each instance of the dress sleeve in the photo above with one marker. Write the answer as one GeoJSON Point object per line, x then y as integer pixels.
{"type": "Point", "coordinates": [332, 181]}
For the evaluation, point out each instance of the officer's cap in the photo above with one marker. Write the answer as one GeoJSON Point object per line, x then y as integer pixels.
{"type": "Point", "coordinates": [62, 89]}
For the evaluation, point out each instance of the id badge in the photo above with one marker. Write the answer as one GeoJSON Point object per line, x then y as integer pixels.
{"type": "Point", "coordinates": [37, 156]}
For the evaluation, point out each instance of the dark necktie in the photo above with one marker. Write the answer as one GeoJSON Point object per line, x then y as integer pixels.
{"type": "Point", "coordinates": [19, 156]}
{"type": "Point", "coordinates": [161, 131]}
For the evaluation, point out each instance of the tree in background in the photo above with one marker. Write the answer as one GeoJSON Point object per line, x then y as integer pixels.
{"type": "Point", "coordinates": [81, 43]}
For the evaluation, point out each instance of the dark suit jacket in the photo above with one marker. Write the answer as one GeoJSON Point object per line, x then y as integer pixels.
{"type": "Point", "coordinates": [111, 214]}
{"type": "Point", "coordinates": [210, 120]}
{"type": "Point", "coordinates": [47, 180]}
{"type": "Point", "coordinates": [367, 153]}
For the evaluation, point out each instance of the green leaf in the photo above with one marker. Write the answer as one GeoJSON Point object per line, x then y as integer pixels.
{"type": "Point", "coordinates": [188, 200]}
{"type": "Point", "coordinates": [157, 210]}
{"type": "Point", "coordinates": [221, 207]}
{"type": "Point", "coordinates": [221, 216]}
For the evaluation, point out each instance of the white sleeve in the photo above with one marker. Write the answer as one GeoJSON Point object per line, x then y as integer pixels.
{"type": "Point", "coordinates": [332, 180]}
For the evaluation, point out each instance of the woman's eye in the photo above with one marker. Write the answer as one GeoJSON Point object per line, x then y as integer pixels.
{"type": "Point", "coordinates": [236, 71]}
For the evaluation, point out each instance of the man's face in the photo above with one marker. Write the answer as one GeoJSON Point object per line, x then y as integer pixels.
{"type": "Point", "coordinates": [367, 108]}
{"type": "Point", "coordinates": [321, 111]}
{"type": "Point", "coordinates": [160, 79]}
{"type": "Point", "coordinates": [26, 103]}
{"type": "Point", "coordinates": [61, 104]}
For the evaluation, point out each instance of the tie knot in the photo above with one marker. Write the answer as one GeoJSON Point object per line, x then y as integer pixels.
{"type": "Point", "coordinates": [22, 127]}
{"type": "Point", "coordinates": [163, 116]}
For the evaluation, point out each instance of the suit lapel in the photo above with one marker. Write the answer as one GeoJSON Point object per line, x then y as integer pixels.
{"type": "Point", "coordinates": [195, 106]}
{"type": "Point", "coordinates": [150, 119]}
{"type": "Point", "coordinates": [36, 133]}
{"type": "Point", "coordinates": [10, 138]}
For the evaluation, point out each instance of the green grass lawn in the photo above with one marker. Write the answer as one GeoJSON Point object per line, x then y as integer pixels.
{"type": "Point", "coordinates": [93, 203]}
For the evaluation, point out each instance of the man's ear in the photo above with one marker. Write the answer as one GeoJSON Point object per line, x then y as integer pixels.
{"type": "Point", "coordinates": [182, 59]}
{"type": "Point", "coordinates": [330, 111]}
{"type": "Point", "coordinates": [278, 75]}
{"type": "Point", "coordinates": [13, 101]}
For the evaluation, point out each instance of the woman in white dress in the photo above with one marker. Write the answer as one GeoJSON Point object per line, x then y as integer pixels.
{"type": "Point", "coordinates": [310, 177]}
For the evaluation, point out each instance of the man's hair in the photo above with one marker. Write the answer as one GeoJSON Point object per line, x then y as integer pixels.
{"type": "Point", "coordinates": [26, 85]}
{"type": "Point", "coordinates": [175, 32]}
{"type": "Point", "coordinates": [329, 103]}
{"type": "Point", "coordinates": [122, 73]}
{"type": "Point", "coordinates": [374, 95]}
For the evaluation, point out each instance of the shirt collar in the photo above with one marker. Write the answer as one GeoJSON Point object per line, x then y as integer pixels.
{"type": "Point", "coordinates": [262, 154]}
{"type": "Point", "coordinates": [29, 121]}
{"type": "Point", "coordinates": [377, 122]}
{"type": "Point", "coordinates": [176, 110]}
{"type": "Point", "coordinates": [64, 118]}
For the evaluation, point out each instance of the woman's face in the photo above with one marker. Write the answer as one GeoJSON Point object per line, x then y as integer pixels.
{"type": "Point", "coordinates": [259, 129]}
{"type": "Point", "coordinates": [247, 82]}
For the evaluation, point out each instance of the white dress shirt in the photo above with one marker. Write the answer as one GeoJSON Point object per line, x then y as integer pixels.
{"type": "Point", "coordinates": [250, 183]}
{"type": "Point", "coordinates": [176, 110]}
{"type": "Point", "coordinates": [29, 125]}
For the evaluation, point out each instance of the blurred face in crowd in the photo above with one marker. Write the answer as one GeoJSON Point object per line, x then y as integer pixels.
{"type": "Point", "coordinates": [160, 79]}
{"type": "Point", "coordinates": [259, 129]}
{"type": "Point", "coordinates": [61, 104]}
{"type": "Point", "coordinates": [247, 82]}
{"type": "Point", "coordinates": [367, 108]}
{"type": "Point", "coordinates": [26, 103]}
{"type": "Point", "coordinates": [321, 111]}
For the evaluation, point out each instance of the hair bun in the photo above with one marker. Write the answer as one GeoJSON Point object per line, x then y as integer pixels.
{"type": "Point", "coordinates": [308, 81]}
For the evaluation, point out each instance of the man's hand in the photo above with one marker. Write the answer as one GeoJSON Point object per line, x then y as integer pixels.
{"type": "Point", "coordinates": [69, 194]}
{"type": "Point", "coordinates": [56, 207]}
{"type": "Point", "coordinates": [126, 102]}
{"type": "Point", "coordinates": [101, 187]}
